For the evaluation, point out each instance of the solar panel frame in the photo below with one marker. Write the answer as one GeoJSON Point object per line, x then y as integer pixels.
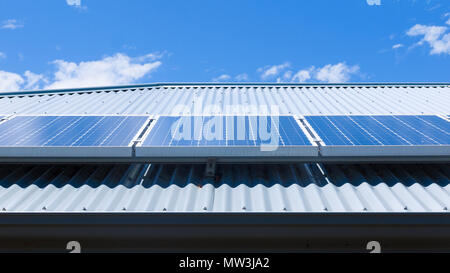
{"type": "Point", "coordinates": [40, 150]}
{"type": "Point", "coordinates": [194, 153]}
{"type": "Point", "coordinates": [328, 149]}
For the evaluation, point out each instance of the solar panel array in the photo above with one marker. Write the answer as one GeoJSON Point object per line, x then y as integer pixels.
{"type": "Point", "coordinates": [224, 136]}
{"type": "Point", "coordinates": [225, 131]}
{"type": "Point", "coordinates": [381, 130]}
{"type": "Point", "coordinates": [69, 131]}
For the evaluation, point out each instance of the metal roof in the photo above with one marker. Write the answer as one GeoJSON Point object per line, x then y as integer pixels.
{"type": "Point", "coordinates": [292, 99]}
{"type": "Point", "coordinates": [301, 187]}
{"type": "Point", "coordinates": [236, 188]}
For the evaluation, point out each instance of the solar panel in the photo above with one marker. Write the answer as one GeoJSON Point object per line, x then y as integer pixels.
{"type": "Point", "coordinates": [68, 131]}
{"type": "Point", "coordinates": [381, 132]}
{"type": "Point", "coordinates": [226, 136]}
{"type": "Point", "coordinates": [234, 131]}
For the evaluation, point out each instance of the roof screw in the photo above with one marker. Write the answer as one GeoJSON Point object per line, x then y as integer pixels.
{"type": "Point", "coordinates": [4, 209]}
{"type": "Point", "coordinates": [44, 208]}
{"type": "Point", "coordinates": [364, 209]}
{"type": "Point", "coordinates": [124, 208]}
{"type": "Point", "coordinates": [405, 208]}
{"type": "Point", "coordinates": [164, 209]}
{"type": "Point", "coordinates": [84, 208]}
{"type": "Point", "coordinates": [284, 209]}
{"type": "Point", "coordinates": [244, 208]}
{"type": "Point", "coordinates": [325, 209]}
{"type": "Point", "coordinates": [445, 208]}
{"type": "Point", "coordinates": [205, 208]}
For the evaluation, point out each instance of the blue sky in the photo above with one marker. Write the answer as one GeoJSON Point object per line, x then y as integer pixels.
{"type": "Point", "coordinates": [75, 43]}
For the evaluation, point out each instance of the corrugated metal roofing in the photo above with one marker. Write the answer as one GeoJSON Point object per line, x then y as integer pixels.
{"type": "Point", "coordinates": [236, 188]}
{"type": "Point", "coordinates": [292, 99]}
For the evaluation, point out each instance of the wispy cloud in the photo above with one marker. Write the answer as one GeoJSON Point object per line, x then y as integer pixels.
{"type": "Point", "coordinates": [302, 75]}
{"type": "Point", "coordinates": [229, 78]}
{"type": "Point", "coordinates": [75, 4]}
{"type": "Point", "coordinates": [396, 46]}
{"type": "Point", "coordinates": [242, 77]}
{"type": "Point", "coordinates": [332, 73]}
{"type": "Point", "coordinates": [111, 70]}
{"type": "Point", "coordinates": [272, 71]}
{"type": "Point", "coordinates": [221, 78]}
{"type": "Point", "coordinates": [11, 24]}
{"type": "Point", "coordinates": [437, 37]}
{"type": "Point", "coordinates": [337, 73]}
{"type": "Point", "coordinates": [10, 81]}
{"type": "Point", "coordinates": [373, 2]}
{"type": "Point", "coordinates": [151, 56]}
{"type": "Point", "coordinates": [33, 80]}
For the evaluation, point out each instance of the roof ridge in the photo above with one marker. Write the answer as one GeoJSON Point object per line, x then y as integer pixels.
{"type": "Point", "coordinates": [167, 84]}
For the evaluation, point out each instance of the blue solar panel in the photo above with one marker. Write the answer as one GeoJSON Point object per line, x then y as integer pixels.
{"type": "Point", "coordinates": [70, 131]}
{"type": "Point", "coordinates": [381, 130]}
{"type": "Point", "coordinates": [227, 131]}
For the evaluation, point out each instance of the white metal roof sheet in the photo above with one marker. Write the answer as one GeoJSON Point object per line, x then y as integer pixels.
{"type": "Point", "coordinates": [291, 99]}
{"type": "Point", "coordinates": [236, 188]}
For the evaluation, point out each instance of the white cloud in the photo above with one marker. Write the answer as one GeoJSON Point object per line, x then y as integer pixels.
{"type": "Point", "coordinates": [287, 74]}
{"type": "Point", "coordinates": [337, 73]}
{"type": "Point", "coordinates": [11, 24]}
{"type": "Point", "coordinates": [13, 82]}
{"type": "Point", "coordinates": [448, 22]}
{"type": "Point", "coordinates": [242, 77]}
{"type": "Point", "coordinates": [373, 2]}
{"type": "Point", "coordinates": [73, 2]}
{"type": "Point", "coordinates": [223, 77]}
{"type": "Point", "coordinates": [272, 71]}
{"type": "Point", "coordinates": [436, 37]}
{"type": "Point", "coordinates": [33, 81]}
{"type": "Point", "coordinates": [151, 56]}
{"type": "Point", "coordinates": [302, 76]}
{"type": "Point", "coordinates": [332, 73]}
{"type": "Point", "coordinates": [286, 77]}
{"type": "Point", "coordinates": [76, 4]}
{"type": "Point", "coordinates": [115, 70]}
{"type": "Point", "coordinates": [112, 70]}
{"type": "Point", "coordinates": [397, 46]}
{"type": "Point", "coordinates": [10, 81]}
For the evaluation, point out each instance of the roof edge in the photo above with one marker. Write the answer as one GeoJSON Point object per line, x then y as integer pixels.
{"type": "Point", "coordinates": [163, 84]}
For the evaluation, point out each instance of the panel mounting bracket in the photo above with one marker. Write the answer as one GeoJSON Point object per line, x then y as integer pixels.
{"type": "Point", "coordinates": [310, 133]}
{"type": "Point", "coordinates": [210, 167]}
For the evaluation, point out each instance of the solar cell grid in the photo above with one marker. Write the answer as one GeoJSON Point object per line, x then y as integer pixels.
{"type": "Point", "coordinates": [225, 131]}
{"type": "Point", "coordinates": [69, 131]}
{"type": "Point", "coordinates": [381, 130]}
